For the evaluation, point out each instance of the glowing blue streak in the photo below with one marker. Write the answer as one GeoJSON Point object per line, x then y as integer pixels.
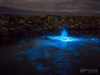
{"type": "Point", "coordinates": [65, 38]}
{"type": "Point", "coordinates": [64, 33]}
{"type": "Point", "coordinates": [62, 38]}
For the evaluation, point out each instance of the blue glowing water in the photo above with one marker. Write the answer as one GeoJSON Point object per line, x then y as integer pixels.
{"type": "Point", "coordinates": [63, 37]}
{"type": "Point", "coordinates": [60, 51]}
{"type": "Point", "coordinates": [64, 33]}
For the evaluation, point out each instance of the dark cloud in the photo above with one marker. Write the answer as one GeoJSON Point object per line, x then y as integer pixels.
{"type": "Point", "coordinates": [87, 6]}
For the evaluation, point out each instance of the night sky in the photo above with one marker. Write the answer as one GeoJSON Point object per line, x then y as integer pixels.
{"type": "Point", "coordinates": [52, 6]}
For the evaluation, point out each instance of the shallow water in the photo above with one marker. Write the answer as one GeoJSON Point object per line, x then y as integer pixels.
{"type": "Point", "coordinates": [46, 56]}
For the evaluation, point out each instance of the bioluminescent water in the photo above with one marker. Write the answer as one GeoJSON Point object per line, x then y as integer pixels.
{"type": "Point", "coordinates": [64, 37]}
{"type": "Point", "coordinates": [55, 54]}
{"type": "Point", "coordinates": [64, 33]}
